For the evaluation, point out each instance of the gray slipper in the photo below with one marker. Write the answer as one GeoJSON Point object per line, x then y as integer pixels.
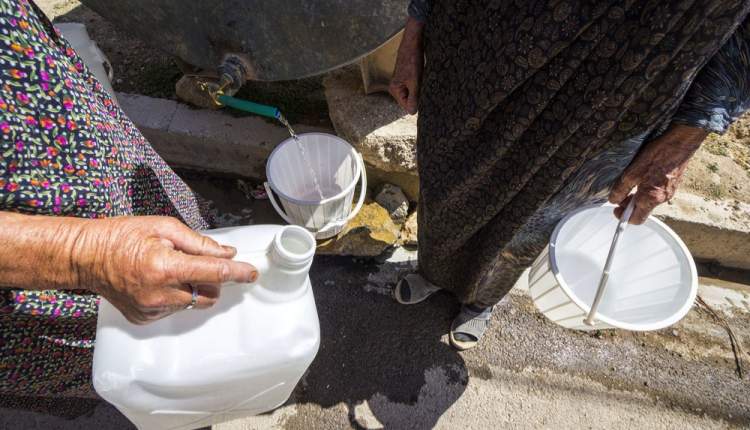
{"type": "Point", "coordinates": [412, 289]}
{"type": "Point", "coordinates": [469, 327]}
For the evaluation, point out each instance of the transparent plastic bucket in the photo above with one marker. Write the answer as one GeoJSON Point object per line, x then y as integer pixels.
{"type": "Point", "coordinates": [337, 168]}
{"type": "Point", "coordinates": [652, 282]}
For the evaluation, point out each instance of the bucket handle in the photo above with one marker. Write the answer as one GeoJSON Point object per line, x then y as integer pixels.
{"type": "Point", "coordinates": [624, 219]}
{"type": "Point", "coordinates": [362, 189]}
{"type": "Point", "coordinates": [275, 204]}
{"type": "Point", "coordinates": [352, 214]}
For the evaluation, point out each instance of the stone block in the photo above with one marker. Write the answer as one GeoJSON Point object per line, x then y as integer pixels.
{"type": "Point", "coordinates": [384, 134]}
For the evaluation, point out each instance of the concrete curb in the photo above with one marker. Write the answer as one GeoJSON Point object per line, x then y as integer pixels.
{"type": "Point", "coordinates": [717, 231]}
{"type": "Point", "coordinates": [216, 141]}
{"type": "Point", "coordinates": [206, 140]}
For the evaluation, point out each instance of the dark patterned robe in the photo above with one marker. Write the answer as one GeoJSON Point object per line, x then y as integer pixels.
{"type": "Point", "coordinates": [530, 109]}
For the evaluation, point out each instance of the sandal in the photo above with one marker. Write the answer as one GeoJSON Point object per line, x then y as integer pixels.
{"type": "Point", "coordinates": [469, 326]}
{"type": "Point", "coordinates": [412, 289]}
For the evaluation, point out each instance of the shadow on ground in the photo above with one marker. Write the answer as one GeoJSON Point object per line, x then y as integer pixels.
{"type": "Point", "coordinates": [372, 349]}
{"type": "Point", "coordinates": [378, 352]}
{"type": "Point", "coordinates": [373, 352]}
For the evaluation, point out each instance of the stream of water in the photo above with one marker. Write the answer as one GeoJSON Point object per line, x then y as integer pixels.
{"type": "Point", "coordinates": [305, 159]}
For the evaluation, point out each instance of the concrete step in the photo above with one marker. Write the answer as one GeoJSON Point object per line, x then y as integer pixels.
{"type": "Point", "coordinates": [713, 230]}
{"type": "Point", "coordinates": [214, 141]}
{"type": "Point", "coordinates": [217, 141]}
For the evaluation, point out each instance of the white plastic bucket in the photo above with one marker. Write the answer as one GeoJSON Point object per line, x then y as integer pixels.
{"type": "Point", "coordinates": [337, 168]}
{"type": "Point", "coordinates": [652, 282]}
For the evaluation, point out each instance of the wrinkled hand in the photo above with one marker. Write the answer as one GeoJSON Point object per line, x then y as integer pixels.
{"type": "Point", "coordinates": [144, 265]}
{"type": "Point", "coordinates": [407, 75]}
{"type": "Point", "coordinates": [656, 171]}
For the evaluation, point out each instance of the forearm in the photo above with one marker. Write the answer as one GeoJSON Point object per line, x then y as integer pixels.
{"type": "Point", "coordinates": [407, 74]}
{"type": "Point", "coordinates": [686, 139]}
{"type": "Point", "coordinates": [143, 265]}
{"type": "Point", "coordinates": [38, 252]}
{"type": "Point", "coordinates": [412, 34]}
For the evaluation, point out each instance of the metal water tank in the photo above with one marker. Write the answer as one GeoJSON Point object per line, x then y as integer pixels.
{"type": "Point", "coordinates": [278, 39]}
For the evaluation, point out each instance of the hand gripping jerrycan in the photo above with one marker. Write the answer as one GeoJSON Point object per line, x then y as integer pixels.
{"type": "Point", "coordinates": [241, 357]}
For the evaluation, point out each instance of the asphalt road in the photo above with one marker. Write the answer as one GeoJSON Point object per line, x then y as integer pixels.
{"type": "Point", "coordinates": [383, 365]}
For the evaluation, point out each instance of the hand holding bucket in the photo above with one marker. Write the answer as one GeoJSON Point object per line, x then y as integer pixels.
{"type": "Point", "coordinates": [651, 284]}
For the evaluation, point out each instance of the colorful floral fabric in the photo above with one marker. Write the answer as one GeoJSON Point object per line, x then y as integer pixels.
{"type": "Point", "coordinates": [66, 148]}
{"type": "Point", "coordinates": [46, 342]}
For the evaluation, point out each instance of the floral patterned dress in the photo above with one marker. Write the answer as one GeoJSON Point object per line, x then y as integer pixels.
{"type": "Point", "coordinates": [66, 149]}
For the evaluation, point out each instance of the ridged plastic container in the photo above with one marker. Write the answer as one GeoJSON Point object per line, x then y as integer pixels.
{"type": "Point", "coordinates": [652, 282]}
{"type": "Point", "coordinates": [337, 168]}
{"type": "Point", "coordinates": [241, 357]}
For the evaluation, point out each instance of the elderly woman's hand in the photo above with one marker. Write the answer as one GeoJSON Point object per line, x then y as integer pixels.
{"type": "Point", "coordinates": [407, 75]}
{"type": "Point", "coordinates": [656, 171]}
{"type": "Point", "coordinates": [143, 265]}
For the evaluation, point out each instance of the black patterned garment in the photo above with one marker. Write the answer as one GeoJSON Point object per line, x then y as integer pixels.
{"type": "Point", "coordinates": [66, 149]}
{"type": "Point", "coordinates": [531, 109]}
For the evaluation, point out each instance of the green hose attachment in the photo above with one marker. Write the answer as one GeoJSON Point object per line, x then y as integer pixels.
{"type": "Point", "coordinates": [248, 106]}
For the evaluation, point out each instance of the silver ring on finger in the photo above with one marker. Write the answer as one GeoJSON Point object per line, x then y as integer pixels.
{"type": "Point", "coordinates": [194, 297]}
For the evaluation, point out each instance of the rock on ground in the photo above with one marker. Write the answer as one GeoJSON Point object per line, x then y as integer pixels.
{"type": "Point", "coordinates": [394, 201]}
{"type": "Point", "coordinates": [409, 231]}
{"type": "Point", "coordinates": [369, 234]}
{"type": "Point", "coordinates": [408, 182]}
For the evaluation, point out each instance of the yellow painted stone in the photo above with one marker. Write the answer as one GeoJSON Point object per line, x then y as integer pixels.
{"type": "Point", "coordinates": [369, 234]}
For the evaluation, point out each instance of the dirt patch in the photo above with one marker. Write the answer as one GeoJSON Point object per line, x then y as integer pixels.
{"type": "Point", "coordinates": [698, 338]}
{"type": "Point", "coordinates": [721, 169]}
{"type": "Point", "coordinates": [735, 143]}
{"type": "Point", "coordinates": [303, 101]}
{"type": "Point", "coordinates": [717, 177]}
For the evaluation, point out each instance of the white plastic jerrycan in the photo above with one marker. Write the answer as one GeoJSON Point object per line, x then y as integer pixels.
{"type": "Point", "coordinates": [241, 357]}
